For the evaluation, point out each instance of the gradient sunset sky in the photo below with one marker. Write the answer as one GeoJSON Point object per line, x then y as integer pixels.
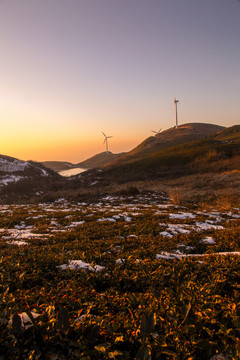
{"type": "Point", "coordinates": [73, 68]}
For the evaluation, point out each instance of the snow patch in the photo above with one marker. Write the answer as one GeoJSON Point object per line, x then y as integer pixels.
{"type": "Point", "coordinates": [120, 261]}
{"type": "Point", "coordinates": [206, 226]}
{"type": "Point", "coordinates": [178, 255]}
{"type": "Point", "coordinates": [79, 264]}
{"type": "Point", "coordinates": [26, 322]}
{"type": "Point", "coordinates": [76, 223]}
{"type": "Point", "coordinates": [182, 215]}
{"type": "Point", "coordinates": [13, 165]}
{"type": "Point", "coordinates": [209, 240]}
{"type": "Point", "coordinates": [174, 229]}
{"type": "Point", "coordinates": [106, 219]}
{"type": "Point", "coordinates": [19, 243]}
{"type": "Point", "coordinates": [9, 179]}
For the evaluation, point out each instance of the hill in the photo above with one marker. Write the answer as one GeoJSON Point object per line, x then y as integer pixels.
{"type": "Point", "coordinates": [171, 137]}
{"type": "Point", "coordinates": [57, 166]}
{"type": "Point", "coordinates": [24, 179]}
{"type": "Point", "coordinates": [187, 155]}
{"type": "Point", "coordinates": [95, 161]}
{"type": "Point", "coordinates": [99, 160]}
{"type": "Point", "coordinates": [216, 154]}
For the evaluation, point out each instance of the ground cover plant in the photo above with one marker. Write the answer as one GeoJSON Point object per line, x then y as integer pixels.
{"type": "Point", "coordinates": [126, 277]}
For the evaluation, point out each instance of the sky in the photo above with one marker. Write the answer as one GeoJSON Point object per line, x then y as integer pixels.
{"type": "Point", "coordinates": [70, 69]}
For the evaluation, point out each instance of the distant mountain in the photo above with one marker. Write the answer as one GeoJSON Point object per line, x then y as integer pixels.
{"type": "Point", "coordinates": [99, 160]}
{"type": "Point", "coordinates": [93, 162]}
{"type": "Point", "coordinates": [58, 166]}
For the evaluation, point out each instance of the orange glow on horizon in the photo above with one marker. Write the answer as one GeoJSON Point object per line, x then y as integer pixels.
{"type": "Point", "coordinates": [74, 149]}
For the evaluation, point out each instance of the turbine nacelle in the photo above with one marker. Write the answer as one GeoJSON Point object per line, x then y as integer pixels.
{"type": "Point", "coordinates": [175, 101]}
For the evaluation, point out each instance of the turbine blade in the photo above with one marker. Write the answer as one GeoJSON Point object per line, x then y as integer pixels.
{"type": "Point", "coordinates": [104, 134]}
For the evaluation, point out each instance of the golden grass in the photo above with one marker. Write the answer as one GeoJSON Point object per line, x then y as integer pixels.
{"type": "Point", "coordinates": [174, 195]}
{"type": "Point", "coordinates": [219, 189]}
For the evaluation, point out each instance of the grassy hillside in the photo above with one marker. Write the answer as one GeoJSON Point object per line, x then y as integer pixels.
{"type": "Point", "coordinates": [169, 138]}
{"type": "Point", "coordinates": [214, 152]}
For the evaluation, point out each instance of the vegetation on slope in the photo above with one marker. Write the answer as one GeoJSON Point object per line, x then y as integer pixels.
{"type": "Point", "coordinates": [214, 153]}
{"type": "Point", "coordinates": [139, 306]}
{"type": "Point", "coordinates": [169, 138]}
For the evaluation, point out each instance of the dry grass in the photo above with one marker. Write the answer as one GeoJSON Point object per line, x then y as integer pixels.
{"type": "Point", "coordinates": [175, 196]}
{"type": "Point", "coordinates": [219, 189]}
{"type": "Point", "coordinates": [224, 201]}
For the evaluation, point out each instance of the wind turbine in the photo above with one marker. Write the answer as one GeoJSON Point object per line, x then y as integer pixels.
{"type": "Point", "coordinates": [157, 132]}
{"type": "Point", "coordinates": [106, 141]}
{"type": "Point", "coordinates": [175, 103]}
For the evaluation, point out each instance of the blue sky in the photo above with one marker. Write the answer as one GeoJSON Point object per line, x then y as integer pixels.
{"type": "Point", "coordinates": [72, 68]}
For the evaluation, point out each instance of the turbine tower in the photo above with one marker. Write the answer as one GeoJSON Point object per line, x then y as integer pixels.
{"type": "Point", "coordinates": [157, 132]}
{"type": "Point", "coordinates": [106, 141]}
{"type": "Point", "coordinates": [175, 103]}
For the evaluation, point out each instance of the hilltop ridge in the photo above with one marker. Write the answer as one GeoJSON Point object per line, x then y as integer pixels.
{"type": "Point", "coordinates": [171, 137]}
{"type": "Point", "coordinates": [194, 152]}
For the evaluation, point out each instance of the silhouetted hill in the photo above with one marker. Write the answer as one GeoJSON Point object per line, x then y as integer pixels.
{"type": "Point", "coordinates": [98, 160]}
{"type": "Point", "coordinates": [57, 166]}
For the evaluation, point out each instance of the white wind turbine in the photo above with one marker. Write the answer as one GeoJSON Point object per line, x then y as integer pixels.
{"type": "Point", "coordinates": [175, 103]}
{"type": "Point", "coordinates": [157, 132]}
{"type": "Point", "coordinates": [106, 141]}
